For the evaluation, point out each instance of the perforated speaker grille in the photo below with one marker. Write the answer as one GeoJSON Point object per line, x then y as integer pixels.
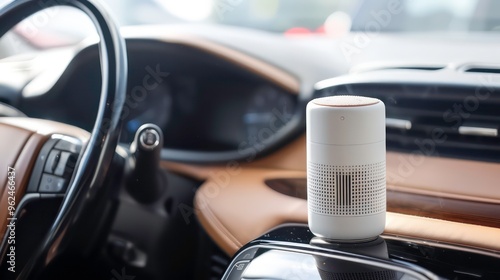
{"type": "Point", "coordinates": [355, 190]}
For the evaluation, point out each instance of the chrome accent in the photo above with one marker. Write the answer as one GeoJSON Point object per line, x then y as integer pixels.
{"type": "Point", "coordinates": [146, 145]}
{"type": "Point", "coordinates": [398, 123]}
{"type": "Point", "coordinates": [478, 131]}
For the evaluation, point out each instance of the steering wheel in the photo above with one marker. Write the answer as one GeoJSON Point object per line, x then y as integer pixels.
{"type": "Point", "coordinates": [22, 141]}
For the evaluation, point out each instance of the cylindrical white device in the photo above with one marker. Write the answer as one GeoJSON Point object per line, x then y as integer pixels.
{"type": "Point", "coordinates": [346, 169]}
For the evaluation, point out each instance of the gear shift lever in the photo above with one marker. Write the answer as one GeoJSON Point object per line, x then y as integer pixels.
{"type": "Point", "coordinates": [145, 181]}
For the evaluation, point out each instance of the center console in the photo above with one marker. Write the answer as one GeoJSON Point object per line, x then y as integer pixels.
{"type": "Point", "coordinates": [291, 251]}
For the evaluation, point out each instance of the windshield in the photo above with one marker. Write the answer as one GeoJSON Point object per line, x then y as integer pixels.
{"type": "Point", "coordinates": [284, 15]}
{"type": "Point", "coordinates": [334, 18]}
{"type": "Point", "coordinates": [429, 15]}
{"type": "Point", "coordinates": [269, 15]}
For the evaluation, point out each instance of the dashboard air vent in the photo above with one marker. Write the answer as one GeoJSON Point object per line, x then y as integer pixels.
{"type": "Point", "coordinates": [459, 121]}
{"type": "Point", "coordinates": [422, 68]}
{"type": "Point", "coordinates": [483, 70]}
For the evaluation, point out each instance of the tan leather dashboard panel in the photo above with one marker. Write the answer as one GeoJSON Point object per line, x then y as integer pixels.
{"type": "Point", "coordinates": [236, 208]}
{"type": "Point", "coordinates": [241, 207]}
{"type": "Point", "coordinates": [457, 210]}
{"type": "Point", "coordinates": [441, 177]}
{"type": "Point", "coordinates": [46, 127]}
{"type": "Point", "coordinates": [253, 209]}
{"type": "Point", "coordinates": [13, 144]}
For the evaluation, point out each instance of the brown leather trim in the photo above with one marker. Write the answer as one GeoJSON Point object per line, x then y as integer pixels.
{"type": "Point", "coordinates": [46, 127]}
{"type": "Point", "coordinates": [473, 236]}
{"type": "Point", "coordinates": [23, 166]}
{"type": "Point", "coordinates": [197, 172]}
{"type": "Point", "coordinates": [254, 65]}
{"type": "Point", "coordinates": [464, 211]}
{"type": "Point", "coordinates": [224, 239]}
{"type": "Point", "coordinates": [11, 147]}
{"type": "Point", "coordinates": [435, 178]}
{"type": "Point", "coordinates": [236, 209]}
{"type": "Point", "coordinates": [443, 177]}
{"type": "Point", "coordinates": [12, 142]}
{"type": "Point", "coordinates": [432, 176]}
{"type": "Point", "coordinates": [290, 157]}
{"type": "Point", "coordinates": [457, 210]}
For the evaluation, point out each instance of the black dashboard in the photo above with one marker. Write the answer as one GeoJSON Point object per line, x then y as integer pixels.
{"type": "Point", "coordinates": [201, 102]}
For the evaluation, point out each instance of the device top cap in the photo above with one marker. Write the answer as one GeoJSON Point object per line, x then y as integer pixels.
{"type": "Point", "coordinates": [345, 101]}
{"type": "Point", "coordinates": [345, 120]}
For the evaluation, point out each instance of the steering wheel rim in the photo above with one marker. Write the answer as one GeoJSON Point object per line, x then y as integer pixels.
{"type": "Point", "coordinates": [97, 155]}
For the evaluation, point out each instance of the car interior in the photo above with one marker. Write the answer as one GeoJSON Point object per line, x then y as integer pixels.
{"type": "Point", "coordinates": [164, 139]}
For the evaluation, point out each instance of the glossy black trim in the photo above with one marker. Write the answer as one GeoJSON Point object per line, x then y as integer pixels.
{"type": "Point", "coordinates": [348, 256]}
{"type": "Point", "coordinates": [291, 131]}
{"type": "Point", "coordinates": [86, 189]}
{"type": "Point", "coordinates": [427, 258]}
{"type": "Point", "coordinates": [37, 171]}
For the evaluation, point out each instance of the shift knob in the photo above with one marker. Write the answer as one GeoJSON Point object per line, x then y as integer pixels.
{"type": "Point", "coordinates": [346, 169]}
{"type": "Point", "coordinates": [145, 181]}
